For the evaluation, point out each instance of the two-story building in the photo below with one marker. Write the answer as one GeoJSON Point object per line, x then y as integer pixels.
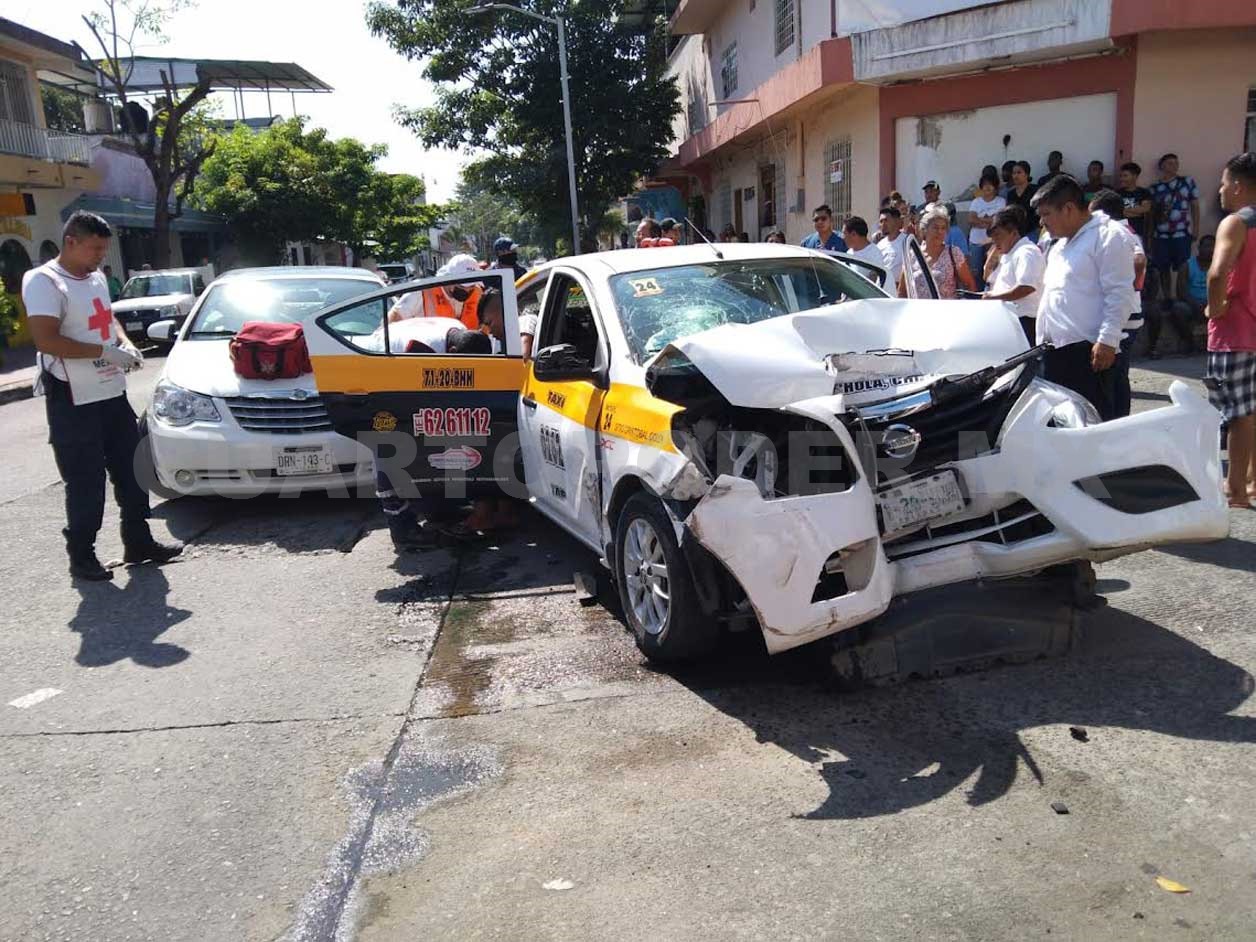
{"type": "Point", "coordinates": [791, 103]}
{"type": "Point", "coordinates": [41, 170]}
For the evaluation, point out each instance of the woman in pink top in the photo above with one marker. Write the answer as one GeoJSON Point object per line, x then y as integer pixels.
{"type": "Point", "coordinates": [1231, 376]}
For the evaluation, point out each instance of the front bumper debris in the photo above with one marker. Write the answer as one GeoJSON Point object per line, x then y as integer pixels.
{"type": "Point", "coordinates": [786, 553]}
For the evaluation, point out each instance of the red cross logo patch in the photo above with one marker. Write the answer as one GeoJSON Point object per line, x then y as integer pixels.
{"type": "Point", "coordinates": [102, 319]}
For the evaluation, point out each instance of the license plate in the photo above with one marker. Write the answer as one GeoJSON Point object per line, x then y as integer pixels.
{"type": "Point", "coordinates": [134, 325]}
{"type": "Point", "coordinates": [917, 501]}
{"type": "Point", "coordinates": [303, 459]}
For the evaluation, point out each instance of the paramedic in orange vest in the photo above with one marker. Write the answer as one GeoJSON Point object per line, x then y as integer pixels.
{"type": "Point", "coordinates": [460, 302]}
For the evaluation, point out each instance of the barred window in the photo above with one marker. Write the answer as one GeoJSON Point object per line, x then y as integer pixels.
{"type": "Point", "coordinates": [726, 204]}
{"type": "Point", "coordinates": [1249, 138]}
{"type": "Point", "coordinates": [837, 179]}
{"type": "Point", "coordinates": [728, 69]}
{"type": "Point", "coordinates": [784, 25]}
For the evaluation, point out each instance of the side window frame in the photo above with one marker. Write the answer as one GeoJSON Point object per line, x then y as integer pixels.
{"type": "Point", "coordinates": [555, 301]}
{"type": "Point", "coordinates": [392, 293]}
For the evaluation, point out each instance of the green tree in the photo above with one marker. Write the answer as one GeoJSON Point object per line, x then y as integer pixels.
{"type": "Point", "coordinates": [63, 111]}
{"type": "Point", "coordinates": [176, 142]}
{"type": "Point", "coordinates": [498, 89]}
{"type": "Point", "coordinates": [392, 219]}
{"type": "Point", "coordinates": [484, 215]}
{"type": "Point", "coordinates": [288, 184]}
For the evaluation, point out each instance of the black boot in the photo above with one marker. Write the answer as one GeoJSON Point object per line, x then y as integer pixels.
{"type": "Point", "coordinates": [83, 562]}
{"type": "Point", "coordinates": [141, 547]}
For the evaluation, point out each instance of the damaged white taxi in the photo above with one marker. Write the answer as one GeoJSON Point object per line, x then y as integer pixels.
{"type": "Point", "coordinates": [757, 436]}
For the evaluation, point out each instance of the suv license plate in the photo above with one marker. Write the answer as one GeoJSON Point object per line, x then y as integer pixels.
{"type": "Point", "coordinates": [134, 325]}
{"type": "Point", "coordinates": [917, 501]}
{"type": "Point", "coordinates": [303, 459]}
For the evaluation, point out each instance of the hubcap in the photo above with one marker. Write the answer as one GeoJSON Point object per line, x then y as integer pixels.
{"type": "Point", "coordinates": [646, 576]}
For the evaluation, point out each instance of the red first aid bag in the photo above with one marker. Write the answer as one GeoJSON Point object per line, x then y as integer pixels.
{"type": "Point", "coordinates": [270, 351]}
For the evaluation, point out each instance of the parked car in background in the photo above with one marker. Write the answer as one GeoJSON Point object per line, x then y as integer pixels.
{"type": "Point", "coordinates": [213, 432]}
{"type": "Point", "coordinates": [397, 271]}
{"type": "Point", "coordinates": [154, 296]}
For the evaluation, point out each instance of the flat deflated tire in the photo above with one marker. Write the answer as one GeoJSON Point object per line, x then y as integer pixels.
{"type": "Point", "coordinates": [656, 587]}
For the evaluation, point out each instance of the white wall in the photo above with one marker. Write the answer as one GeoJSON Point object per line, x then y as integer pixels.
{"type": "Point", "coordinates": [691, 68]}
{"type": "Point", "coordinates": [952, 148]}
{"type": "Point", "coordinates": [857, 16]}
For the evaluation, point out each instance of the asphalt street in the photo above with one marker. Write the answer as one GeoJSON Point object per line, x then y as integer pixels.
{"type": "Point", "coordinates": [293, 734]}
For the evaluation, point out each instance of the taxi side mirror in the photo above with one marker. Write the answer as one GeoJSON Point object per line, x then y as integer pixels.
{"type": "Point", "coordinates": [562, 362]}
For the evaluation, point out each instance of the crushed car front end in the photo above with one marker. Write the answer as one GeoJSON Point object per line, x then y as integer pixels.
{"type": "Point", "coordinates": [905, 473]}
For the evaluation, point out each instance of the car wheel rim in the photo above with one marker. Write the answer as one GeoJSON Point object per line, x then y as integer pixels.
{"type": "Point", "coordinates": [646, 577]}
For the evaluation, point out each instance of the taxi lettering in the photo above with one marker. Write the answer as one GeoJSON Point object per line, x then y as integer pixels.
{"type": "Point", "coordinates": [448, 378]}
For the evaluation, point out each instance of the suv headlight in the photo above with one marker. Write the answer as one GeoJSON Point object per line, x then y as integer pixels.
{"type": "Point", "coordinates": [1068, 409]}
{"type": "Point", "coordinates": [174, 405]}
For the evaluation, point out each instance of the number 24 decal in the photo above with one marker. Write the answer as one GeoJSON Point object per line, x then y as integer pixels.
{"type": "Point", "coordinates": [452, 423]}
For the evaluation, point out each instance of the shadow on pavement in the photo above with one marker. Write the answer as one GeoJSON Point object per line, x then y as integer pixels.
{"type": "Point", "coordinates": [123, 622]}
{"type": "Point", "coordinates": [303, 524]}
{"type": "Point", "coordinates": [883, 751]}
{"type": "Point", "coordinates": [1229, 553]}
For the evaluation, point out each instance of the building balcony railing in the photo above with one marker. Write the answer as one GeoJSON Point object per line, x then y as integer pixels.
{"type": "Point", "coordinates": [29, 140]}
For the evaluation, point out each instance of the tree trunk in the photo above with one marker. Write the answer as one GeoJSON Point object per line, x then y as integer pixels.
{"type": "Point", "coordinates": [161, 230]}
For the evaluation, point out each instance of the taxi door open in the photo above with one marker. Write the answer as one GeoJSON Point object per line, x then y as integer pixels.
{"type": "Point", "coordinates": [435, 403]}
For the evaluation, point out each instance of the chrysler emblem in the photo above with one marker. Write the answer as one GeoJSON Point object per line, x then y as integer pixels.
{"type": "Point", "coordinates": [900, 442]}
{"type": "Point", "coordinates": [300, 395]}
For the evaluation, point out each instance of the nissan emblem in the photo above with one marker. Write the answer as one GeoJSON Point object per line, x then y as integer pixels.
{"type": "Point", "coordinates": [900, 442]}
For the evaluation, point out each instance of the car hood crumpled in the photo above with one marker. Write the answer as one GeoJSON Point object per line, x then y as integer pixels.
{"type": "Point", "coordinates": [864, 350]}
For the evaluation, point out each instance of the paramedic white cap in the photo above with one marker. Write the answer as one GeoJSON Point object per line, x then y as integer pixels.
{"type": "Point", "coordinates": [459, 265]}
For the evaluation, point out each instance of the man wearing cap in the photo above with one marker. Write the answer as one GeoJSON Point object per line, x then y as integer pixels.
{"type": "Point", "coordinates": [932, 193]}
{"type": "Point", "coordinates": [507, 254]}
{"type": "Point", "coordinates": [456, 301]}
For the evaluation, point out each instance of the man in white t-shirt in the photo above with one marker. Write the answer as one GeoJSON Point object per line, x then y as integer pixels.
{"type": "Point", "coordinates": [855, 232]}
{"type": "Point", "coordinates": [83, 356]}
{"type": "Point", "coordinates": [892, 245]}
{"type": "Point", "coordinates": [1021, 265]}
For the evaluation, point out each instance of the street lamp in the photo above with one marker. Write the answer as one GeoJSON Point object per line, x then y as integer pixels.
{"type": "Point", "coordinates": [562, 75]}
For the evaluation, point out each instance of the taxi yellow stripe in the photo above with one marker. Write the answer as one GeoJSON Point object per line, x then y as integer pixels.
{"type": "Point", "coordinates": [631, 413]}
{"type": "Point", "coordinates": [356, 375]}
{"type": "Point", "coordinates": [624, 411]}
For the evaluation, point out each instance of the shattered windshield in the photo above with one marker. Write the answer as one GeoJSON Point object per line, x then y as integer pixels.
{"type": "Point", "coordinates": [663, 304]}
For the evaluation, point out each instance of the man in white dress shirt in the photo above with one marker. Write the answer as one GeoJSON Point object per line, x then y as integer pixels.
{"type": "Point", "coordinates": [1019, 268]}
{"type": "Point", "coordinates": [1087, 294]}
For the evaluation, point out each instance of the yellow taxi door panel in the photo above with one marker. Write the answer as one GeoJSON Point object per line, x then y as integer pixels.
{"type": "Point", "coordinates": [448, 419]}
{"type": "Point", "coordinates": [558, 425]}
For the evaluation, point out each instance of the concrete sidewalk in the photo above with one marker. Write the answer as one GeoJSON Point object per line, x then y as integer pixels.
{"type": "Point", "coordinates": [17, 374]}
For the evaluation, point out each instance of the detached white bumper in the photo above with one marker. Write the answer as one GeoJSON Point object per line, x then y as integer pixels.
{"type": "Point", "coordinates": [228, 461]}
{"type": "Point", "coordinates": [777, 549]}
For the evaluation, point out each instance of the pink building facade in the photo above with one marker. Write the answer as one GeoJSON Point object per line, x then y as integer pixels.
{"type": "Point", "coordinates": [791, 103]}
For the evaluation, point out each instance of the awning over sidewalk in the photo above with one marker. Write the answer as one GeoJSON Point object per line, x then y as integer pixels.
{"type": "Point", "coordinates": [136, 215]}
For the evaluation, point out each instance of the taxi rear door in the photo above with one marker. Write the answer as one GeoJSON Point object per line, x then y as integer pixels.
{"type": "Point", "coordinates": [447, 422]}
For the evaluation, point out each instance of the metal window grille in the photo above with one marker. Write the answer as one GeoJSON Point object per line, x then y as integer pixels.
{"type": "Point", "coordinates": [728, 69]}
{"type": "Point", "coordinates": [726, 204]}
{"type": "Point", "coordinates": [15, 94]}
{"type": "Point", "coordinates": [837, 195]}
{"type": "Point", "coordinates": [1249, 138]}
{"type": "Point", "coordinates": [784, 25]}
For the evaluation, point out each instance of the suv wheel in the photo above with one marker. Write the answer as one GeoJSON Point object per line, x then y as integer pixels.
{"type": "Point", "coordinates": [656, 587]}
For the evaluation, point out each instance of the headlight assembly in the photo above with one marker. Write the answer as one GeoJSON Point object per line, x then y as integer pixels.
{"type": "Point", "coordinates": [174, 405]}
{"type": "Point", "coordinates": [1068, 409]}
